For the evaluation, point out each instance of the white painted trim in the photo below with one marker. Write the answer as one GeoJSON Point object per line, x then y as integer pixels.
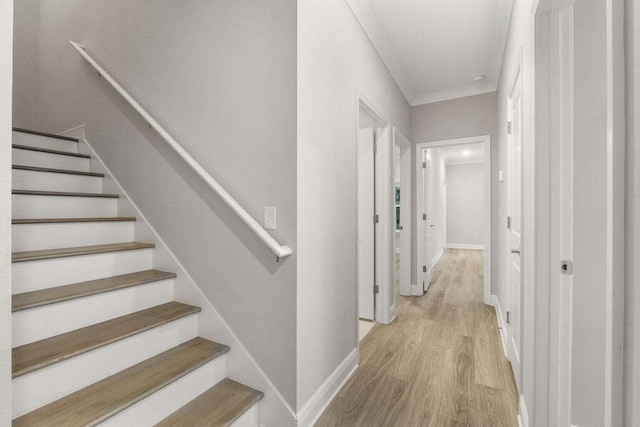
{"type": "Point", "coordinates": [423, 145]}
{"type": "Point", "coordinates": [385, 184]}
{"type": "Point", "coordinates": [437, 258]}
{"type": "Point", "coordinates": [280, 251]}
{"type": "Point", "coordinates": [231, 338]}
{"type": "Point", "coordinates": [495, 302]}
{"type": "Point", "coordinates": [615, 267]}
{"type": "Point", "coordinates": [318, 403]}
{"type": "Point", "coordinates": [406, 183]}
{"type": "Point", "coordinates": [464, 246]}
{"type": "Point", "coordinates": [523, 414]}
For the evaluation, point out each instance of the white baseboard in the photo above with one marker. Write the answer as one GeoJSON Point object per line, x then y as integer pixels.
{"type": "Point", "coordinates": [392, 313]}
{"type": "Point", "coordinates": [313, 409]}
{"type": "Point", "coordinates": [436, 259]}
{"type": "Point", "coordinates": [495, 302]}
{"type": "Point", "coordinates": [274, 409]}
{"type": "Point", "coordinates": [523, 415]}
{"type": "Point", "coordinates": [464, 246]}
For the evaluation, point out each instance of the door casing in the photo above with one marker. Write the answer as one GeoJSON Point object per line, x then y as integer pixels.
{"type": "Point", "coordinates": [420, 224]}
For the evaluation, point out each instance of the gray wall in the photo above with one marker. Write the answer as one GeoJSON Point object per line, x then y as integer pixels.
{"type": "Point", "coordinates": [220, 76]}
{"type": "Point", "coordinates": [632, 223]}
{"type": "Point", "coordinates": [335, 61]}
{"type": "Point", "coordinates": [461, 118]}
{"type": "Point", "coordinates": [465, 198]}
{"type": "Point", "coordinates": [25, 62]}
{"type": "Point", "coordinates": [6, 36]}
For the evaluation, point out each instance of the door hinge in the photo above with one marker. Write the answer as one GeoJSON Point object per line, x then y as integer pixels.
{"type": "Point", "coordinates": [375, 148]}
{"type": "Point", "coordinates": [509, 223]}
{"type": "Point", "coordinates": [424, 268]}
{"type": "Point", "coordinates": [376, 289]}
{"type": "Point", "coordinates": [376, 218]}
{"type": "Point", "coordinates": [566, 267]}
{"type": "Point", "coordinates": [424, 217]}
{"type": "Point", "coordinates": [424, 165]}
{"type": "Point", "coordinates": [508, 317]}
{"type": "Point", "coordinates": [509, 127]}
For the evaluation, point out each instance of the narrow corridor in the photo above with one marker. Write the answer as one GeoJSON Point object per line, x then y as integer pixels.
{"type": "Point", "coordinates": [440, 363]}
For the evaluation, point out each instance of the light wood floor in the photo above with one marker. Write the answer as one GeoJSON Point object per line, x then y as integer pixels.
{"type": "Point", "coordinates": [439, 364]}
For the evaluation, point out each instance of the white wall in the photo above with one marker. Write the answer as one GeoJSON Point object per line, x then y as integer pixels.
{"type": "Point", "coordinates": [25, 61]}
{"type": "Point", "coordinates": [6, 60]}
{"type": "Point", "coordinates": [436, 205]}
{"type": "Point", "coordinates": [220, 76]}
{"type": "Point", "coordinates": [335, 60]}
{"type": "Point", "coordinates": [465, 201]}
{"type": "Point", "coordinates": [460, 118]}
{"type": "Point", "coordinates": [632, 213]}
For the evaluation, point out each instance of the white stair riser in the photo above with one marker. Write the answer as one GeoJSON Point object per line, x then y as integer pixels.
{"type": "Point", "coordinates": [28, 207]}
{"type": "Point", "coordinates": [31, 237]}
{"type": "Point", "coordinates": [49, 160]}
{"type": "Point", "coordinates": [34, 275]}
{"type": "Point", "coordinates": [45, 385]}
{"type": "Point", "coordinates": [30, 140]}
{"type": "Point", "coordinates": [54, 319]}
{"type": "Point", "coordinates": [51, 181]}
{"type": "Point", "coordinates": [249, 418]}
{"type": "Point", "coordinates": [169, 399]}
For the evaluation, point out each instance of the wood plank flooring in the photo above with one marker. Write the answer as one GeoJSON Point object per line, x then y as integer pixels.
{"type": "Point", "coordinates": [439, 364]}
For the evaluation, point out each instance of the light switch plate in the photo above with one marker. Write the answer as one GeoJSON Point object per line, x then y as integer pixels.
{"type": "Point", "coordinates": [269, 217]}
{"type": "Point", "coordinates": [500, 176]}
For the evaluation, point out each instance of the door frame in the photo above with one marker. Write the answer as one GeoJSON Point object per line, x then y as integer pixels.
{"type": "Point", "coordinates": [384, 196]}
{"type": "Point", "coordinates": [406, 199]}
{"type": "Point", "coordinates": [516, 84]}
{"type": "Point", "coordinates": [548, 387]}
{"type": "Point", "coordinates": [486, 140]}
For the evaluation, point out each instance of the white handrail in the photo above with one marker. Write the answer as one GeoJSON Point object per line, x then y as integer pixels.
{"type": "Point", "coordinates": [278, 250]}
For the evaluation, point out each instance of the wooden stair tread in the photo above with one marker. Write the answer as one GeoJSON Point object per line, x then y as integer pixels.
{"type": "Point", "coordinates": [51, 170]}
{"type": "Point", "coordinates": [65, 220]}
{"type": "Point", "coordinates": [82, 289]}
{"type": "Point", "coordinates": [219, 406]}
{"type": "Point", "coordinates": [50, 135]}
{"type": "Point", "coordinates": [104, 399]}
{"type": "Point", "coordinates": [76, 251]}
{"type": "Point", "coordinates": [63, 194]}
{"type": "Point", "coordinates": [49, 151]}
{"type": "Point", "coordinates": [33, 356]}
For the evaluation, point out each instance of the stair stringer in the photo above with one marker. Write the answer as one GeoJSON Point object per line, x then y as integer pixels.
{"type": "Point", "coordinates": [241, 366]}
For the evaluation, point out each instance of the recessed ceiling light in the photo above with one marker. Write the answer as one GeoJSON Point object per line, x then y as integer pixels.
{"type": "Point", "coordinates": [466, 153]}
{"type": "Point", "coordinates": [478, 78]}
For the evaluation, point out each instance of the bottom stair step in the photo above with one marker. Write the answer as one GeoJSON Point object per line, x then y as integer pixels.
{"type": "Point", "coordinates": [104, 399]}
{"type": "Point", "coordinates": [219, 406]}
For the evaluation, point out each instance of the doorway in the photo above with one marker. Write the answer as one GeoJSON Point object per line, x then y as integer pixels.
{"type": "Point", "coordinates": [372, 147]}
{"type": "Point", "coordinates": [437, 230]}
{"type": "Point", "coordinates": [402, 213]}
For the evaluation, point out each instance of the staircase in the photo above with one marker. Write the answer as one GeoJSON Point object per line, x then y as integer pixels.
{"type": "Point", "coordinates": [97, 336]}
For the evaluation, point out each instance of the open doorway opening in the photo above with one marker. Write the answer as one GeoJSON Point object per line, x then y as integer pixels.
{"type": "Point", "coordinates": [371, 134]}
{"type": "Point", "coordinates": [402, 214]}
{"type": "Point", "coordinates": [453, 199]}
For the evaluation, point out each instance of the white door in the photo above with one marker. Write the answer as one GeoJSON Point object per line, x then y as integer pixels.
{"type": "Point", "coordinates": [366, 232]}
{"type": "Point", "coordinates": [514, 223]}
{"type": "Point", "coordinates": [426, 221]}
{"type": "Point", "coordinates": [405, 218]}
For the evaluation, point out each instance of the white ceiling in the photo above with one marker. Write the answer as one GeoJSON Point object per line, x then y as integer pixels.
{"type": "Point", "coordinates": [433, 48]}
{"type": "Point", "coordinates": [462, 154]}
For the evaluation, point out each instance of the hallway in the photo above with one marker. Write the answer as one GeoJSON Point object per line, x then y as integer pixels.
{"type": "Point", "coordinates": [439, 363]}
